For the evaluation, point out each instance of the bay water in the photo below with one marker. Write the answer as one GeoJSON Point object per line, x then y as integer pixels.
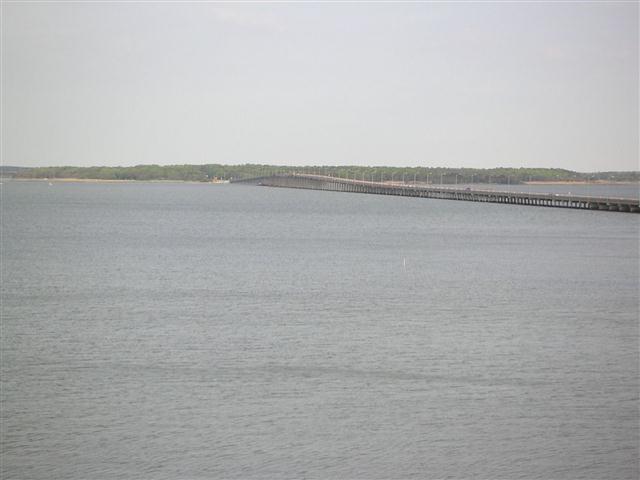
{"type": "Point", "coordinates": [220, 331]}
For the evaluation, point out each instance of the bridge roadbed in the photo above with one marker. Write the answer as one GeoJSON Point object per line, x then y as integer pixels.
{"type": "Point", "coordinates": [322, 182]}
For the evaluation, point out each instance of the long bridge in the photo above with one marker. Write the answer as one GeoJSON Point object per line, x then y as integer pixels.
{"type": "Point", "coordinates": [335, 184]}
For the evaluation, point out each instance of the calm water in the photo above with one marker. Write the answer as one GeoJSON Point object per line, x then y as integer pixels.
{"type": "Point", "coordinates": [195, 331]}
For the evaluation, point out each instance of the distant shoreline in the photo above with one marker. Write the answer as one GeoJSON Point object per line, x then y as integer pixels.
{"type": "Point", "coordinates": [211, 173]}
{"type": "Point", "coordinates": [102, 180]}
{"type": "Point", "coordinates": [579, 182]}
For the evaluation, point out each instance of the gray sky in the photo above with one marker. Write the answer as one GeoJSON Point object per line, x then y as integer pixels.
{"type": "Point", "coordinates": [433, 84]}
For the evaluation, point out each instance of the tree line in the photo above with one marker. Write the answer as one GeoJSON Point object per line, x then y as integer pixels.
{"type": "Point", "coordinates": [435, 175]}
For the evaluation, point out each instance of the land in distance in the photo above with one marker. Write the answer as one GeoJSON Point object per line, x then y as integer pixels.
{"type": "Point", "coordinates": [220, 172]}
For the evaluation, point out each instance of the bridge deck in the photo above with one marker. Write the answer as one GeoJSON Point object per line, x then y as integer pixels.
{"type": "Point", "coordinates": [321, 182]}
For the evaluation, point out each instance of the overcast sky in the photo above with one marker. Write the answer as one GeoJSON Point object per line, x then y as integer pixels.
{"type": "Point", "coordinates": [432, 84]}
